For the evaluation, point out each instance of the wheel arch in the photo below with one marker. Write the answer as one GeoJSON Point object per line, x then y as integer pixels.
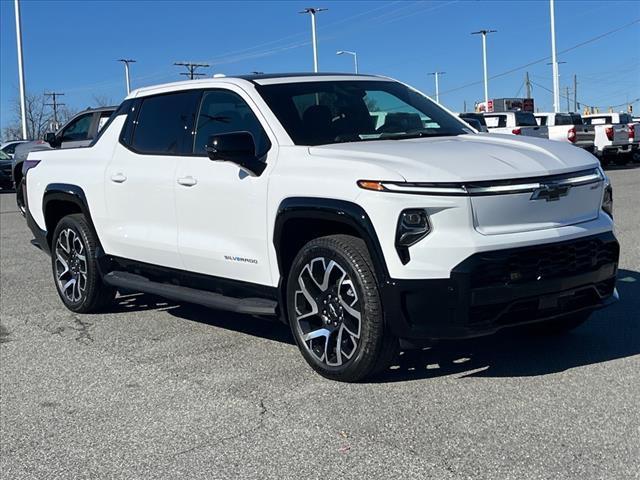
{"type": "Point", "coordinates": [301, 219]}
{"type": "Point", "coordinates": [60, 200]}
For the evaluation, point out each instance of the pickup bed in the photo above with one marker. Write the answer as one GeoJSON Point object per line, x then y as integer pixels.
{"type": "Point", "coordinates": [611, 138]}
{"type": "Point", "coordinates": [515, 123]}
{"type": "Point", "coordinates": [568, 127]}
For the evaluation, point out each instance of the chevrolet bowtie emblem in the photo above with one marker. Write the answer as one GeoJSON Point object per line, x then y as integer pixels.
{"type": "Point", "coordinates": [550, 192]}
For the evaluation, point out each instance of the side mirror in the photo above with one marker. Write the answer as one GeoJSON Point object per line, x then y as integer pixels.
{"type": "Point", "coordinates": [51, 139]}
{"type": "Point", "coordinates": [238, 148]}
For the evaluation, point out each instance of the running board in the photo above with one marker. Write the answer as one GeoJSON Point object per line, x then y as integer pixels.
{"type": "Point", "coordinates": [251, 306]}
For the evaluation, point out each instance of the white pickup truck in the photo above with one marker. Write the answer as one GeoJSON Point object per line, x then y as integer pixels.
{"type": "Point", "coordinates": [568, 127]}
{"type": "Point", "coordinates": [623, 144]}
{"type": "Point", "coordinates": [279, 195]}
{"type": "Point", "coordinates": [614, 138]}
{"type": "Point", "coordinates": [515, 123]}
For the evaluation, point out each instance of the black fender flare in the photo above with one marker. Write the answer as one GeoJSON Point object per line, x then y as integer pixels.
{"type": "Point", "coordinates": [341, 211]}
{"type": "Point", "coordinates": [69, 193]}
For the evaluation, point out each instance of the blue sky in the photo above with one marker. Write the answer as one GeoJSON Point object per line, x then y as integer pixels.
{"type": "Point", "coordinates": [72, 47]}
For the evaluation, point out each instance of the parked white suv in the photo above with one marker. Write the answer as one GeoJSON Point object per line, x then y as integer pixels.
{"type": "Point", "coordinates": [568, 127]}
{"type": "Point", "coordinates": [515, 123]}
{"type": "Point", "coordinates": [278, 195]}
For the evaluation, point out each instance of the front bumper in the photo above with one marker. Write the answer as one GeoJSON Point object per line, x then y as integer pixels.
{"type": "Point", "coordinates": [492, 290]}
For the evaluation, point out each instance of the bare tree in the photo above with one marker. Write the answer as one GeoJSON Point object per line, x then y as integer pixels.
{"type": "Point", "coordinates": [39, 118]}
{"type": "Point", "coordinates": [103, 101]}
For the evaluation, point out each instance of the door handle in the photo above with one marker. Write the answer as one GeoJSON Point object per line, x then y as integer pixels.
{"type": "Point", "coordinates": [118, 177]}
{"type": "Point", "coordinates": [187, 181]}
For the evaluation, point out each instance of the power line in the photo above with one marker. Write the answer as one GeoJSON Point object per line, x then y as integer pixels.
{"type": "Point", "coordinates": [540, 60]}
{"type": "Point", "coordinates": [191, 69]}
{"type": "Point", "coordinates": [54, 104]}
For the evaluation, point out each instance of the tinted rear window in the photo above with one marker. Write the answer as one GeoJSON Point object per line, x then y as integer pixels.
{"type": "Point", "coordinates": [475, 116]}
{"type": "Point", "coordinates": [165, 122]}
{"type": "Point", "coordinates": [576, 119]}
{"type": "Point", "coordinates": [525, 119]}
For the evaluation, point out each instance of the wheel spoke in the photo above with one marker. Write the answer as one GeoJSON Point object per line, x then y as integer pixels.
{"type": "Point", "coordinates": [321, 332]}
{"type": "Point", "coordinates": [64, 263]}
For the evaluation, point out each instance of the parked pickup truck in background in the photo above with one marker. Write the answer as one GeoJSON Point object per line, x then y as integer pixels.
{"type": "Point", "coordinates": [568, 127]}
{"type": "Point", "coordinates": [633, 132]}
{"type": "Point", "coordinates": [612, 136]}
{"type": "Point", "coordinates": [80, 131]}
{"type": "Point", "coordinates": [515, 123]}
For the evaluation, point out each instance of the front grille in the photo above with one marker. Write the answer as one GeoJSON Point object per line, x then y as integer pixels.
{"type": "Point", "coordinates": [518, 266]}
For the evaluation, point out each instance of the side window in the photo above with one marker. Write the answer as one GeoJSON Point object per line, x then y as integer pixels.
{"type": "Point", "coordinates": [542, 121]}
{"type": "Point", "coordinates": [104, 118]}
{"type": "Point", "coordinates": [10, 149]}
{"type": "Point", "coordinates": [223, 111]}
{"type": "Point", "coordinates": [78, 129]}
{"type": "Point", "coordinates": [163, 123]}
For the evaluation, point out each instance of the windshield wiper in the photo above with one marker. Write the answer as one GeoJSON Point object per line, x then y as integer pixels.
{"type": "Point", "coordinates": [419, 134]}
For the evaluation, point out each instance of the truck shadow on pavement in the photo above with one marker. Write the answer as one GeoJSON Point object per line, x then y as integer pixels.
{"type": "Point", "coordinates": [610, 334]}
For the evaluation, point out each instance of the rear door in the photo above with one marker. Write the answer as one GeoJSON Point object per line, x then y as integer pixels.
{"type": "Point", "coordinates": [221, 209]}
{"type": "Point", "coordinates": [140, 179]}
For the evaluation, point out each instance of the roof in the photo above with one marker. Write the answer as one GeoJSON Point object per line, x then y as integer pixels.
{"type": "Point", "coordinates": [255, 79]}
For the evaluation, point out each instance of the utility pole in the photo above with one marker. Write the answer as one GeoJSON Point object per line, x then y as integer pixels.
{"type": "Point", "coordinates": [126, 62]}
{"type": "Point", "coordinates": [23, 102]}
{"type": "Point", "coordinates": [528, 84]}
{"type": "Point", "coordinates": [484, 62]}
{"type": "Point", "coordinates": [314, 40]}
{"type": "Point", "coordinates": [464, 106]}
{"type": "Point", "coordinates": [575, 92]}
{"type": "Point", "coordinates": [191, 69]}
{"type": "Point", "coordinates": [54, 104]}
{"type": "Point", "coordinates": [554, 59]}
{"type": "Point", "coordinates": [436, 75]}
{"type": "Point", "coordinates": [568, 99]}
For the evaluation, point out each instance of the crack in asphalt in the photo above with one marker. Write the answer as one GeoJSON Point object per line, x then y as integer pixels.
{"type": "Point", "coordinates": [247, 431]}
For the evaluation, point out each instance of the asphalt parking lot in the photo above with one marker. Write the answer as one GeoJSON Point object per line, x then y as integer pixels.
{"type": "Point", "coordinates": [158, 390]}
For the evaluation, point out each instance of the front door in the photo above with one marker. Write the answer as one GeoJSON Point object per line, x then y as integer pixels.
{"type": "Point", "coordinates": [221, 209]}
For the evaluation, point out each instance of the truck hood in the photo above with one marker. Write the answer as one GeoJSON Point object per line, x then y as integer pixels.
{"type": "Point", "coordinates": [463, 158]}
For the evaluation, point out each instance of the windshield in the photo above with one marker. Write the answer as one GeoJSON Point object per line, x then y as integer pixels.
{"type": "Point", "coordinates": [318, 113]}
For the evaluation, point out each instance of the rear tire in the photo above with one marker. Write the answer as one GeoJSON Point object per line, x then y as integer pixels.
{"type": "Point", "coordinates": [74, 266]}
{"type": "Point", "coordinates": [335, 311]}
{"type": "Point", "coordinates": [559, 326]}
{"type": "Point", "coordinates": [20, 201]}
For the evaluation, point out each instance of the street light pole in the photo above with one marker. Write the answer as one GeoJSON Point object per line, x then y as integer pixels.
{"type": "Point", "coordinates": [23, 103]}
{"type": "Point", "coordinates": [314, 40]}
{"type": "Point", "coordinates": [484, 62]}
{"type": "Point", "coordinates": [126, 62]}
{"type": "Point", "coordinates": [353, 54]}
{"type": "Point", "coordinates": [436, 75]}
{"type": "Point", "coordinates": [554, 59]}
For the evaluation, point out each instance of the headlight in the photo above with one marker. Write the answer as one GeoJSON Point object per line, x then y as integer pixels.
{"type": "Point", "coordinates": [607, 199]}
{"type": "Point", "coordinates": [413, 226]}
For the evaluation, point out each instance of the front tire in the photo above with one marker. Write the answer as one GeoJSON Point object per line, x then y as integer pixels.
{"type": "Point", "coordinates": [335, 310]}
{"type": "Point", "coordinates": [75, 270]}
